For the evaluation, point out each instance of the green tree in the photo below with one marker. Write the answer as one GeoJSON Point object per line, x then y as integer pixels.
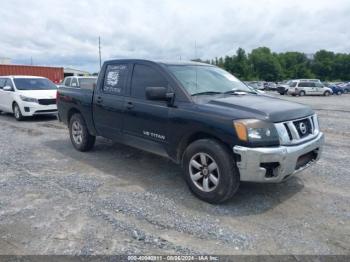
{"type": "Point", "coordinates": [265, 65]}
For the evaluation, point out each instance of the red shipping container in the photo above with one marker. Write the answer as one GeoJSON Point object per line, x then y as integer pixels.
{"type": "Point", "coordinates": [55, 74]}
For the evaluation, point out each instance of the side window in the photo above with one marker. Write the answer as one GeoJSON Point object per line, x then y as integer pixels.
{"type": "Point", "coordinates": [2, 82]}
{"type": "Point", "coordinates": [9, 82]}
{"type": "Point", "coordinates": [74, 82]}
{"type": "Point", "coordinates": [67, 81]}
{"type": "Point", "coordinates": [145, 76]}
{"type": "Point", "coordinates": [115, 79]}
{"type": "Point", "coordinates": [304, 84]}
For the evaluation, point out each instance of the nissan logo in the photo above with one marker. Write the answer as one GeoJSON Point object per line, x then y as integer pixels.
{"type": "Point", "coordinates": [302, 128]}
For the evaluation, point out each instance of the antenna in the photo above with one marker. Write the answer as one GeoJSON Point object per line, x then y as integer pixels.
{"type": "Point", "coordinates": [99, 50]}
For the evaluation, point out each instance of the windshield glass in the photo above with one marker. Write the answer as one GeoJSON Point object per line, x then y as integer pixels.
{"type": "Point", "coordinates": [206, 79]}
{"type": "Point", "coordinates": [87, 83]}
{"type": "Point", "coordinates": [34, 84]}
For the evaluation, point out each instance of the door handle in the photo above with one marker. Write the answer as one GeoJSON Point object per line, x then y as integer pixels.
{"type": "Point", "coordinates": [99, 100]}
{"type": "Point", "coordinates": [129, 105]}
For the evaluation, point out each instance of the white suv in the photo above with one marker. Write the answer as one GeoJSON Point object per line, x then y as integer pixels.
{"type": "Point", "coordinates": [308, 87]}
{"type": "Point", "coordinates": [27, 96]}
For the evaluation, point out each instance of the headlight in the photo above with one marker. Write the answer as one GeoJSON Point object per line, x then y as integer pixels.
{"type": "Point", "coordinates": [28, 99]}
{"type": "Point", "coordinates": [255, 131]}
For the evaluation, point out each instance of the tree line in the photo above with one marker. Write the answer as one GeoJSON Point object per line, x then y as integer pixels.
{"type": "Point", "coordinates": [262, 64]}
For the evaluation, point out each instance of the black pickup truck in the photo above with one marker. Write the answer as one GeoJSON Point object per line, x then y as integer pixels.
{"type": "Point", "coordinates": [200, 116]}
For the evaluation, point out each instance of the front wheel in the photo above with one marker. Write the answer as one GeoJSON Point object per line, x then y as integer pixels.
{"type": "Point", "coordinates": [210, 171]}
{"type": "Point", "coordinates": [302, 93]}
{"type": "Point", "coordinates": [17, 112]}
{"type": "Point", "coordinates": [79, 134]}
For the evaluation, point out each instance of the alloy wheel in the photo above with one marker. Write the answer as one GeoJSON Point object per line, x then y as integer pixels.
{"type": "Point", "coordinates": [204, 172]}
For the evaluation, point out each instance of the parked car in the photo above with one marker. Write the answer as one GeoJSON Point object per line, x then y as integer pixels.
{"type": "Point", "coordinates": [84, 82]}
{"type": "Point", "coordinates": [27, 96]}
{"type": "Point", "coordinates": [282, 87]}
{"type": "Point", "coordinates": [345, 87]}
{"type": "Point", "coordinates": [257, 85]}
{"type": "Point", "coordinates": [308, 87]}
{"type": "Point", "coordinates": [271, 86]}
{"type": "Point", "coordinates": [336, 89]}
{"type": "Point", "coordinates": [198, 115]}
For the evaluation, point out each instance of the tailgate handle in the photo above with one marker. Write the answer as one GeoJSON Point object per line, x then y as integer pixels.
{"type": "Point", "coordinates": [129, 105]}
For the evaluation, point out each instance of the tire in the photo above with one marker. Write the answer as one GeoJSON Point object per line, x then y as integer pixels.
{"type": "Point", "coordinates": [216, 166]}
{"type": "Point", "coordinates": [79, 134]}
{"type": "Point", "coordinates": [17, 112]}
{"type": "Point", "coordinates": [327, 93]}
{"type": "Point", "coordinates": [345, 91]}
{"type": "Point", "coordinates": [301, 93]}
{"type": "Point", "coordinates": [282, 94]}
{"type": "Point", "coordinates": [339, 93]}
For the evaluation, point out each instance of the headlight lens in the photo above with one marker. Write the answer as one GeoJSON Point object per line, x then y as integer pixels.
{"type": "Point", "coordinates": [253, 130]}
{"type": "Point", "coordinates": [28, 99]}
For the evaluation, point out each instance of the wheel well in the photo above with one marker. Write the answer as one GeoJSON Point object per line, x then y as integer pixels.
{"type": "Point", "coordinates": [194, 137]}
{"type": "Point", "coordinates": [71, 112]}
{"type": "Point", "coordinates": [13, 104]}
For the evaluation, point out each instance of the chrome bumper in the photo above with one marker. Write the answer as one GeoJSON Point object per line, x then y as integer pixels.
{"type": "Point", "coordinates": [275, 164]}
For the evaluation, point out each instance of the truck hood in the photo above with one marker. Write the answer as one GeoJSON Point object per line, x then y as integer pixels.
{"type": "Point", "coordinates": [261, 107]}
{"type": "Point", "coordinates": [38, 94]}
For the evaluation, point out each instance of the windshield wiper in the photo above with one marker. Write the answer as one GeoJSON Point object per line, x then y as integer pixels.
{"type": "Point", "coordinates": [207, 93]}
{"type": "Point", "coordinates": [234, 92]}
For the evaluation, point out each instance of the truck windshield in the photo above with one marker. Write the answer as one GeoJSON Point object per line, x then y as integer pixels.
{"type": "Point", "coordinates": [207, 80]}
{"type": "Point", "coordinates": [34, 84]}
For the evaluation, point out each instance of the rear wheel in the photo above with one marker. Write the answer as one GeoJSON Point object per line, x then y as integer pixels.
{"type": "Point", "coordinates": [339, 93]}
{"type": "Point", "coordinates": [17, 112]}
{"type": "Point", "coordinates": [327, 93]}
{"type": "Point", "coordinates": [79, 134]}
{"type": "Point", "coordinates": [210, 171]}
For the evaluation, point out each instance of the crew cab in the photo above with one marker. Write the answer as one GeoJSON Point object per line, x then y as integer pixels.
{"type": "Point", "coordinates": [26, 96]}
{"type": "Point", "coordinates": [199, 116]}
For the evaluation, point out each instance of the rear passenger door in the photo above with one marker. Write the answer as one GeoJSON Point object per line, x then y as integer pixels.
{"type": "Point", "coordinates": [108, 100]}
{"type": "Point", "coordinates": [146, 121]}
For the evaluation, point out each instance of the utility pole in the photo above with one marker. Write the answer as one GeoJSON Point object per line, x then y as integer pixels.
{"type": "Point", "coordinates": [99, 50]}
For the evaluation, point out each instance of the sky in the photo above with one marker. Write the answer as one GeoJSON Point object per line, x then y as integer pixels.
{"type": "Point", "coordinates": [65, 32]}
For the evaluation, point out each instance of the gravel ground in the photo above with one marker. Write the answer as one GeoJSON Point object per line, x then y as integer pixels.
{"type": "Point", "coordinates": [118, 200]}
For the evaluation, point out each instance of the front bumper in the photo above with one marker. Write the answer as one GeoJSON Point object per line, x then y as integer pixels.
{"type": "Point", "coordinates": [31, 109]}
{"type": "Point", "coordinates": [276, 164]}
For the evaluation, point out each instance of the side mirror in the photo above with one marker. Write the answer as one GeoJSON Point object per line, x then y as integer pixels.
{"type": "Point", "coordinates": [159, 93]}
{"type": "Point", "coordinates": [7, 88]}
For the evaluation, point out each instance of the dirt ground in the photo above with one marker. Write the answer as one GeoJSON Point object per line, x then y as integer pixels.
{"type": "Point", "coordinates": [118, 200]}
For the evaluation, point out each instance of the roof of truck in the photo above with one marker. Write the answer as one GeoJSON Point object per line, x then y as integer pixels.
{"type": "Point", "coordinates": [164, 62]}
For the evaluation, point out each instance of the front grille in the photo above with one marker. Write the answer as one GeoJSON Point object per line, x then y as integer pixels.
{"type": "Point", "coordinates": [47, 102]}
{"type": "Point", "coordinates": [304, 127]}
{"type": "Point", "coordinates": [297, 131]}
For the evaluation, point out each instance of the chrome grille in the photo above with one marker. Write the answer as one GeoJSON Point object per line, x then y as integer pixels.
{"type": "Point", "coordinates": [298, 130]}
